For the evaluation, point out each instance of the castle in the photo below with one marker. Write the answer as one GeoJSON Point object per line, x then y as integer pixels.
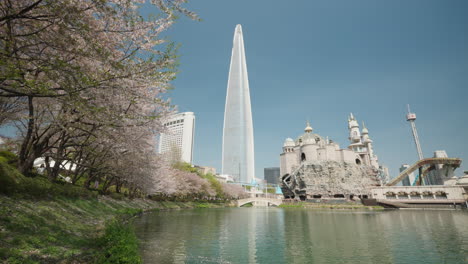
{"type": "Point", "coordinates": [312, 147]}
{"type": "Point", "coordinates": [312, 166]}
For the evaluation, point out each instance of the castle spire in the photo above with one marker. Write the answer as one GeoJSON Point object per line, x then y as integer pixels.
{"type": "Point", "coordinates": [364, 128]}
{"type": "Point", "coordinates": [308, 128]}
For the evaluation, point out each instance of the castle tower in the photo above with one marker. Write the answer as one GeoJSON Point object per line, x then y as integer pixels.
{"type": "Point", "coordinates": [373, 161]}
{"type": "Point", "coordinates": [354, 133]}
{"type": "Point", "coordinates": [288, 158]}
{"type": "Point", "coordinates": [238, 141]}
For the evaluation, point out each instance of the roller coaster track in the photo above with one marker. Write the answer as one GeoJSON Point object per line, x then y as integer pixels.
{"type": "Point", "coordinates": [421, 163]}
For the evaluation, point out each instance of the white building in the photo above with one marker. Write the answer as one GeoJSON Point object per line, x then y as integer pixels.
{"type": "Point", "coordinates": [238, 141]}
{"type": "Point", "coordinates": [178, 140]}
{"type": "Point", "coordinates": [311, 147]}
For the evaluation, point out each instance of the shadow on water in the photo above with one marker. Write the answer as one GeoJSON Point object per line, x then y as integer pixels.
{"type": "Point", "coordinates": [281, 235]}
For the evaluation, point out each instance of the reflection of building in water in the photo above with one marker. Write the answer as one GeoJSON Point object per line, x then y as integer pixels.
{"type": "Point", "coordinates": [420, 236]}
{"type": "Point", "coordinates": [250, 235]}
{"type": "Point", "coordinates": [324, 237]}
{"type": "Point", "coordinates": [252, 238]}
{"type": "Point", "coordinates": [316, 167]}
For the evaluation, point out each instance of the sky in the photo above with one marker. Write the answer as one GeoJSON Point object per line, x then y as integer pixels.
{"type": "Point", "coordinates": [319, 61]}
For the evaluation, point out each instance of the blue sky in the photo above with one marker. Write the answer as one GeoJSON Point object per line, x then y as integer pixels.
{"type": "Point", "coordinates": [321, 60]}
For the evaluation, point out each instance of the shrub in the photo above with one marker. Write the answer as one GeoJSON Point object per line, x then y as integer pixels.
{"type": "Point", "coordinates": [119, 245]}
{"type": "Point", "coordinates": [9, 157]}
{"type": "Point", "coordinates": [10, 178]}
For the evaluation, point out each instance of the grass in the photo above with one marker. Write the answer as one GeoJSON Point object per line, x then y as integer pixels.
{"type": "Point", "coordinates": [70, 230]}
{"type": "Point", "coordinates": [13, 183]}
{"type": "Point", "coordinates": [119, 245]}
{"type": "Point", "coordinates": [45, 222]}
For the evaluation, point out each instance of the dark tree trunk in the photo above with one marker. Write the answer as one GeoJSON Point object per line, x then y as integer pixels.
{"type": "Point", "coordinates": [25, 165]}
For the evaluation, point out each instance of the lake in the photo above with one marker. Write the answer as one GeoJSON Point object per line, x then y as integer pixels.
{"type": "Point", "coordinates": [298, 235]}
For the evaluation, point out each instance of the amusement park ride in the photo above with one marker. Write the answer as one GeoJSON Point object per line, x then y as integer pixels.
{"type": "Point", "coordinates": [424, 166]}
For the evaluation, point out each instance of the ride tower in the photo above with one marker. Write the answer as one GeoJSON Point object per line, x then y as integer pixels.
{"type": "Point", "coordinates": [411, 117]}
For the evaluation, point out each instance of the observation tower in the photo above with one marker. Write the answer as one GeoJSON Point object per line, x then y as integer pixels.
{"type": "Point", "coordinates": [411, 117]}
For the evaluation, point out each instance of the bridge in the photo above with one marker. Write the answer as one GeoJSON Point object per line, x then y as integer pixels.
{"type": "Point", "coordinates": [259, 201]}
{"type": "Point", "coordinates": [419, 166]}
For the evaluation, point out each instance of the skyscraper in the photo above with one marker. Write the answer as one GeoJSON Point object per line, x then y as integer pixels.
{"type": "Point", "coordinates": [271, 175]}
{"type": "Point", "coordinates": [177, 142]}
{"type": "Point", "coordinates": [238, 143]}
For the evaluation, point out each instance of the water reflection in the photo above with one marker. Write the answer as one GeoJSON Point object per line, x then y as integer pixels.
{"type": "Point", "coordinates": [274, 235]}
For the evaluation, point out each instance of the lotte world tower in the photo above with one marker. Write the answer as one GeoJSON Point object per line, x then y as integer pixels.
{"type": "Point", "coordinates": [238, 142]}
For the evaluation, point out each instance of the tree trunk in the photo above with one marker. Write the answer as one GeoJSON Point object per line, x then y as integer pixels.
{"type": "Point", "coordinates": [25, 166]}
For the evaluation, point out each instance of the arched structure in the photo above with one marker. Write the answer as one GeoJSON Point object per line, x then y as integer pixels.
{"type": "Point", "coordinates": [259, 200]}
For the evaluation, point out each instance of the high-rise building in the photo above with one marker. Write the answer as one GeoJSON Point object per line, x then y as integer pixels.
{"type": "Point", "coordinates": [271, 175]}
{"type": "Point", "coordinates": [238, 141]}
{"type": "Point", "coordinates": [177, 142]}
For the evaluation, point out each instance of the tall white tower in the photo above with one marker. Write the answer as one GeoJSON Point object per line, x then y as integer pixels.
{"type": "Point", "coordinates": [411, 117]}
{"type": "Point", "coordinates": [238, 141]}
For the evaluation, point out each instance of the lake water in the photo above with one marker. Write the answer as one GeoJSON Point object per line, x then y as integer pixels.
{"type": "Point", "coordinates": [290, 235]}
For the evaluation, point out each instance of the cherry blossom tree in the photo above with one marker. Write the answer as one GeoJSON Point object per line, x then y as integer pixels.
{"type": "Point", "coordinates": [80, 54]}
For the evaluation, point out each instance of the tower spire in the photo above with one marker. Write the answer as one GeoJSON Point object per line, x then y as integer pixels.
{"type": "Point", "coordinates": [308, 128]}
{"type": "Point", "coordinates": [364, 128]}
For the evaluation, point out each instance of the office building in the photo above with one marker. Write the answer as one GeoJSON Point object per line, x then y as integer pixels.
{"type": "Point", "coordinates": [177, 141]}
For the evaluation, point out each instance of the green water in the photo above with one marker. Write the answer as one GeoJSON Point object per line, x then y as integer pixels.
{"type": "Point", "coordinates": [276, 235]}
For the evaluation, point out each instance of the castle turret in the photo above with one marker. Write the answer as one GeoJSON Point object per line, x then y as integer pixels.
{"type": "Point", "coordinates": [288, 157]}
{"type": "Point", "coordinates": [368, 144]}
{"type": "Point", "coordinates": [354, 133]}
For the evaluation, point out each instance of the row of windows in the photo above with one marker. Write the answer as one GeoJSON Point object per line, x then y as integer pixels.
{"type": "Point", "coordinates": [174, 122]}
{"type": "Point", "coordinates": [442, 196]}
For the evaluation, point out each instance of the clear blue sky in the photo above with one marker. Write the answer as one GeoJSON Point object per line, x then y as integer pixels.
{"type": "Point", "coordinates": [320, 60]}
